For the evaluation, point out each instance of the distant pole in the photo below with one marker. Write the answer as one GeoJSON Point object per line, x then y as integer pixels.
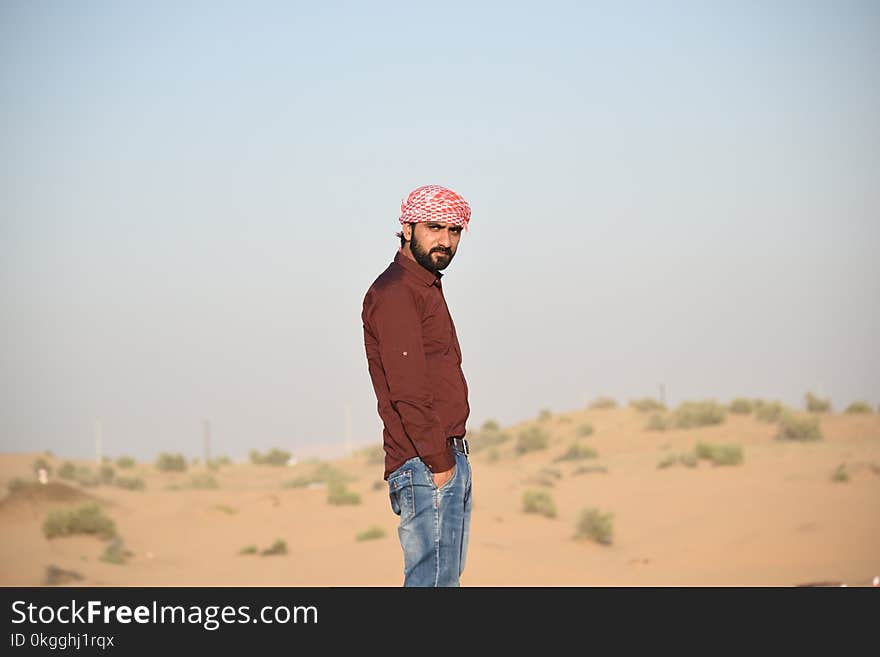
{"type": "Point", "coordinates": [98, 432]}
{"type": "Point", "coordinates": [207, 433]}
{"type": "Point", "coordinates": [662, 394]}
{"type": "Point", "coordinates": [347, 428]}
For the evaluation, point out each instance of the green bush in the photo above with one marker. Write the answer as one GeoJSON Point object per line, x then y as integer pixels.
{"type": "Point", "coordinates": [595, 526]}
{"type": "Point", "coordinates": [730, 454]}
{"type": "Point", "coordinates": [248, 549]}
{"type": "Point", "coordinates": [324, 473]}
{"type": "Point", "coordinates": [274, 456]}
{"type": "Point", "coordinates": [544, 415]}
{"type": "Point", "coordinates": [41, 464]}
{"type": "Point", "coordinates": [338, 494]}
{"type": "Point", "coordinates": [769, 411]}
{"type": "Point", "coordinates": [840, 474]}
{"type": "Point", "coordinates": [741, 406]}
{"type": "Point", "coordinates": [87, 519]}
{"type": "Point", "coordinates": [115, 552]}
{"type": "Point", "coordinates": [647, 404]}
{"type": "Point", "coordinates": [540, 502]}
{"type": "Point", "coordinates": [589, 469]}
{"type": "Point", "coordinates": [56, 576]}
{"type": "Point", "coordinates": [490, 425]}
{"type": "Point", "coordinates": [67, 470]}
{"type": "Point", "coordinates": [106, 474]}
{"type": "Point", "coordinates": [859, 407]}
{"type": "Point", "coordinates": [125, 462]}
{"type": "Point", "coordinates": [578, 452]}
{"type": "Point", "coordinates": [277, 548]}
{"type": "Point", "coordinates": [531, 440]}
{"type": "Point", "coordinates": [688, 459]}
{"type": "Point", "coordinates": [798, 427]}
{"type": "Point", "coordinates": [203, 482]}
{"type": "Point", "coordinates": [85, 477]}
{"type": "Point", "coordinates": [374, 454]}
{"type": "Point", "coordinates": [17, 483]}
{"type": "Point", "coordinates": [486, 438]}
{"type": "Point", "coordinates": [668, 461]}
{"type": "Point", "coordinates": [816, 405]}
{"type": "Point", "coordinates": [603, 402]}
{"type": "Point", "coordinates": [371, 533]}
{"type": "Point", "coordinates": [691, 414]}
{"type": "Point", "coordinates": [130, 483]}
{"type": "Point", "coordinates": [656, 423]}
{"type": "Point", "coordinates": [170, 462]}
{"type": "Point", "coordinates": [585, 430]}
{"type": "Point", "coordinates": [492, 455]}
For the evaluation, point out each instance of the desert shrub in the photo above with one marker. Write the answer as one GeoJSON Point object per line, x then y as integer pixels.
{"type": "Point", "coordinates": [130, 483]}
{"type": "Point", "coordinates": [374, 454]}
{"type": "Point", "coordinates": [490, 425]}
{"type": "Point", "coordinates": [67, 470]}
{"type": "Point", "coordinates": [540, 502]}
{"type": "Point", "coordinates": [840, 473]}
{"type": "Point", "coordinates": [544, 415]}
{"type": "Point", "coordinates": [798, 427]}
{"type": "Point", "coordinates": [203, 482]}
{"type": "Point", "coordinates": [691, 414]}
{"type": "Point", "coordinates": [564, 419]}
{"type": "Point", "coordinates": [730, 454]}
{"type": "Point", "coordinates": [492, 455]}
{"type": "Point", "coordinates": [56, 576]}
{"type": "Point", "coordinates": [486, 438]}
{"type": "Point", "coordinates": [585, 430]}
{"type": "Point", "coordinates": [16, 483]}
{"type": "Point", "coordinates": [859, 407]}
{"type": "Point", "coordinates": [274, 456]}
{"type": "Point", "coordinates": [225, 508]}
{"type": "Point", "coordinates": [41, 464]}
{"type": "Point", "coordinates": [769, 411]}
{"type": "Point", "coordinates": [741, 406]}
{"type": "Point", "coordinates": [87, 519]}
{"type": "Point", "coordinates": [379, 484]}
{"type": "Point", "coordinates": [324, 473]}
{"type": "Point", "coordinates": [656, 423]}
{"type": "Point", "coordinates": [220, 460]}
{"type": "Point", "coordinates": [85, 477]}
{"type": "Point", "coordinates": [589, 469]}
{"type": "Point", "coordinates": [603, 402]}
{"type": "Point", "coordinates": [688, 459]}
{"type": "Point", "coordinates": [667, 461]}
{"type": "Point", "coordinates": [647, 405]}
{"type": "Point", "coordinates": [816, 405]}
{"type": "Point", "coordinates": [578, 452]}
{"type": "Point", "coordinates": [248, 549]}
{"type": "Point", "coordinates": [546, 477]}
{"type": "Point", "coordinates": [106, 473]}
{"type": "Point", "coordinates": [338, 494]}
{"type": "Point", "coordinates": [170, 462]}
{"type": "Point", "coordinates": [595, 526]}
{"type": "Point", "coordinates": [277, 548]}
{"type": "Point", "coordinates": [115, 552]}
{"type": "Point", "coordinates": [125, 462]}
{"type": "Point", "coordinates": [532, 440]}
{"type": "Point", "coordinates": [371, 533]}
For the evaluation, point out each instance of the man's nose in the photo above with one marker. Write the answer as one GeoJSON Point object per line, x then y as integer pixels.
{"type": "Point", "coordinates": [445, 238]}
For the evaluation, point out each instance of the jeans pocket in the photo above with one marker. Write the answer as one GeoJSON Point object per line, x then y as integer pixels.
{"type": "Point", "coordinates": [401, 494]}
{"type": "Point", "coordinates": [452, 479]}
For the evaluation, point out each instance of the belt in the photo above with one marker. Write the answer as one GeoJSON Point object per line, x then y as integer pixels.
{"type": "Point", "coordinates": [459, 443]}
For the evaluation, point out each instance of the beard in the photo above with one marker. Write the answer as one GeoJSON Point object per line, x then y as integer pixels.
{"type": "Point", "coordinates": [435, 260]}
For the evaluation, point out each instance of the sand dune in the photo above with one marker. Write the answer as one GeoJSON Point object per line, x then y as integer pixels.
{"type": "Point", "coordinates": [776, 519]}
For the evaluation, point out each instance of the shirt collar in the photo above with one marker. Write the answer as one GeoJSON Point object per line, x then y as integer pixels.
{"type": "Point", "coordinates": [425, 276]}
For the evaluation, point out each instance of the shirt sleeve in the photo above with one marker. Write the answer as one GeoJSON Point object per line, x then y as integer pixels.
{"type": "Point", "coordinates": [397, 326]}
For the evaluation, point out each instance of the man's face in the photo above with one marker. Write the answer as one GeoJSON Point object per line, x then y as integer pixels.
{"type": "Point", "coordinates": [433, 244]}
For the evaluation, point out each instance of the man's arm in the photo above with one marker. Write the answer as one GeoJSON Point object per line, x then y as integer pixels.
{"type": "Point", "coordinates": [397, 327]}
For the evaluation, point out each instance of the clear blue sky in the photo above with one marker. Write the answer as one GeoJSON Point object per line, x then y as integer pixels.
{"type": "Point", "coordinates": [194, 198]}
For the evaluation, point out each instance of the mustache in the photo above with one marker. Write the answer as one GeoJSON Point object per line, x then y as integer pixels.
{"type": "Point", "coordinates": [444, 251]}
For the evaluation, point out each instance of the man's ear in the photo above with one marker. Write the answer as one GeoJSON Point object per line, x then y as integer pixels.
{"type": "Point", "coordinates": [407, 232]}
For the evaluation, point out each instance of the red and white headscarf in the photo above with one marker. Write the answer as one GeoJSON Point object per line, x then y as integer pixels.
{"type": "Point", "coordinates": [435, 203]}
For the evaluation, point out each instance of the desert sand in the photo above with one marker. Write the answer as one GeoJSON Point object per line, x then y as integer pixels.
{"type": "Point", "coordinates": [776, 519]}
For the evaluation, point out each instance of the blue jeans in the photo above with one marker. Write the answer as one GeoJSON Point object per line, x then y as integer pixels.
{"type": "Point", "coordinates": [434, 522]}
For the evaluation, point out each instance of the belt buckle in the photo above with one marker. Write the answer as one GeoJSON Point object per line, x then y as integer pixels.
{"type": "Point", "coordinates": [464, 445]}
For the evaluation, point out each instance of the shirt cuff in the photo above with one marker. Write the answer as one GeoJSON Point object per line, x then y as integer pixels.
{"type": "Point", "coordinates": [439, 462]}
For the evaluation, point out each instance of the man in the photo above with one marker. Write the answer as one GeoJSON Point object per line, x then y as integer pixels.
{"type": "Point", "coordinates": [415, 365]}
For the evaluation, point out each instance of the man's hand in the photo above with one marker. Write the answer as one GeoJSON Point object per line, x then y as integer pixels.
{"type": "Point", "coordinates": [441, 478]}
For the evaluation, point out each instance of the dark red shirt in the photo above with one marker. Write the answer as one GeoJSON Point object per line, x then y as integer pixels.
{"type": "Point", "coordinates": [415, 364]}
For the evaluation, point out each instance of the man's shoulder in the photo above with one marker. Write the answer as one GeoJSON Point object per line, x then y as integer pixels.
{"type": "Point", "coordinates": [390, 284]}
